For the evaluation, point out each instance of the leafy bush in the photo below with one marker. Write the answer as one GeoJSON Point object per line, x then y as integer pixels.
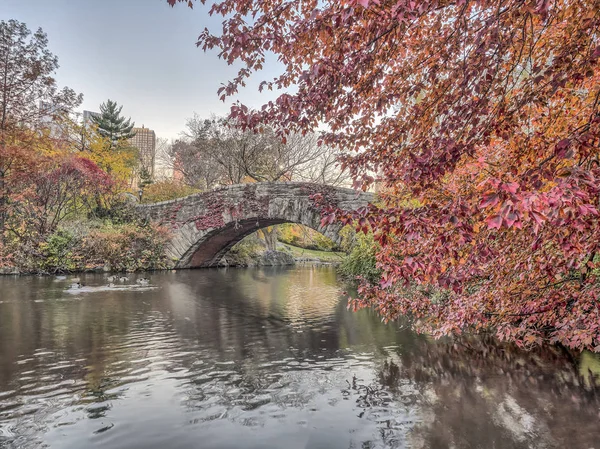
{"type": "Point", "coordinates": [6, 256]}
{"type": "Point", "coordinates": [117, 209]}
{"type": "Point", "coordinates": [84, 246]}
{"type": "Point", "coordinates": [303, 237]}
{"type": "Point", "coordinates": [166, 190]}
{"type": "Point", "coordinates": [125, 247]}
{"type": "Point", "coordinates": [361, 259]}
{"type": "Point", "coordinates": [58, 252]}
{"type": "Point", "coordinates": [246, 252]}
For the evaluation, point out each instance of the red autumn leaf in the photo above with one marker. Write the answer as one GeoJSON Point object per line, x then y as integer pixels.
{"type": "Point", "coordinates": [494, 222]}
{"type": "Point", "coordinates": [489, 200]}
{"type": "Point", "coordinates": [510, 219]}
{"type": "Point", "coordinates": [539, 218]}
{"type": "Point", "coordinates": [510, 187]}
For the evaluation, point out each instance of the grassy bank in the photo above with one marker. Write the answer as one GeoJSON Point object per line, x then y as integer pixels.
{"type": "Point", "coordinates": [312, 254]}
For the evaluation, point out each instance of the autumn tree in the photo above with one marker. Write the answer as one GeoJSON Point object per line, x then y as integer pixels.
{"type": "Point", "coordinates": [164, 162]}
{"type": "Point", "coordinates": [481, 121]}
{"type": "Point", "coordinates": [165, 190]}
{"type": "Point", "coordinates": [63, 187]}
{"type": "Point", "coordinates": [237, 154]}
{"type": "Point", "coordinates": [196, 168]}
{"type": "Point", "coordinates": [28, 92]}
{"type": "Point", "coordinates": [106, 139]}
{"type": "Point", "coordinates": [119, 161]}
{"type": "Point", "coordinates": [325, 167]}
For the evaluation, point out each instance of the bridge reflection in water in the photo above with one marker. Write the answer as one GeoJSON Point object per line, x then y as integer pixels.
{"type": "Point", "coordinates": [267, 358]}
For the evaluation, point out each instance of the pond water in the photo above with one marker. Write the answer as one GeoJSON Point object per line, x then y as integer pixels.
{"type": "Point", "coordinates": [266, 358]}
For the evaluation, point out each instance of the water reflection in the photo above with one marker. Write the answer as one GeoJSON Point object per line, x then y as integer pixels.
{"type": "Point", "coordinates": [266, 358]}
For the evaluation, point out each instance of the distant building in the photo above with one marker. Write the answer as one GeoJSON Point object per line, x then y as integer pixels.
{"type": "Point", "coordinates": [163, 172]}
{"type": "Point", "coordinates": [49, 117]}
{"type": "Point", "coordinates": [87, 116]}
{"type": "Point", "coordinates": [145, 141]}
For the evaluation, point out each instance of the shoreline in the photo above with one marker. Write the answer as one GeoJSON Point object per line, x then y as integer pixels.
{"type": "Point", "coordinates": [13, 271]}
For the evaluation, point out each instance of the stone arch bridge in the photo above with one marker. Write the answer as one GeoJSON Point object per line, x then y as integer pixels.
{"type": "Point", "coordinates": [206, 225]}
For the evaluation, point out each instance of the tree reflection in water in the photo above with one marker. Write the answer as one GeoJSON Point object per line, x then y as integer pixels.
{"type": "Point", "coordinates": [268, 358]}
{"type": "Point", "coordinates": [476, 393]}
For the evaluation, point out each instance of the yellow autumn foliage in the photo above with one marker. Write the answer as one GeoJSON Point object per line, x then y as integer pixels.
{"type": "Point", "coordinates": [119, 162]}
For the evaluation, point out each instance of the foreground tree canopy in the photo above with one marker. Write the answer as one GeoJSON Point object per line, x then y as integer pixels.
{"type": "Point", "coordinates": [481, 121]}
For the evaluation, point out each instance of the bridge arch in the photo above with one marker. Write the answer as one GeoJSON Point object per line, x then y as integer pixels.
{"type": "Point", "coordinates": [206, 225]}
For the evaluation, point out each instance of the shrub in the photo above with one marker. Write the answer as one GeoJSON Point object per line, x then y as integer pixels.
{"type": "Point", "coordinates": [361, 259]}
{"type": "Point", "coordinates": [166, 190]}
{"type": "Point", "coordinates": [126, 247]}
{"type": "Point", "coordinates": [58, 252]}
{"type": "Point", "coordinates": [246, 252]}
{"type": "Point", "coordinates": [303, 237]}
{"type": "Point", "coordinates": [117, 209]}
{"type": "Point", "coordinates": [6, 256]}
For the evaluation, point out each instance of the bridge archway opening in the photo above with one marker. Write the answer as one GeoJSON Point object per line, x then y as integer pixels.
{"type": "Point", "coordinates": [217, 243]}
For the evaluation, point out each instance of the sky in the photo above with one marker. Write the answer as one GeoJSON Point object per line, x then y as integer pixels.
{"type": "Point", "coordinates": [139, 53]}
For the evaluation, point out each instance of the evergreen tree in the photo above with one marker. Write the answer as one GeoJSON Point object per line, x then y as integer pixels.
{"type": "Point", "coordinates": [112, 125]}
{"type": "Point", "coordinates": [145, 179]}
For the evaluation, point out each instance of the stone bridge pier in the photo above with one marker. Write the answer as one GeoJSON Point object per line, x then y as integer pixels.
{"type": "Point", "coordinates": [206, 225]}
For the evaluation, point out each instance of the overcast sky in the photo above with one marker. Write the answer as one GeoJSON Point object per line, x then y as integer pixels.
{"type": "Point", "coordinates": [140, 53]}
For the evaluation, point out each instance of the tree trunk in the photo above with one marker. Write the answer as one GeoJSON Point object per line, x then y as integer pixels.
{"type": "Point", "coordinates": [270, 237]}
{"type": "Point", "coordinates": [3, 202]}
{"type": "Point", "coordinates": [3, 195]}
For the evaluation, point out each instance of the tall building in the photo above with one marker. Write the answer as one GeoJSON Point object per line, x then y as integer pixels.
{"type": "Point", "coordinates": [87, 116]}
{"type": "Point", "coordinates": [145, 141]}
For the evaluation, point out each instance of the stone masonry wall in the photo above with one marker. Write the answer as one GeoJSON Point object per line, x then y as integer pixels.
{"type": "Point", "coordinates": [206, 225]}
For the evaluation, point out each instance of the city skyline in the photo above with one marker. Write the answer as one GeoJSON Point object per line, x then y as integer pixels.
{"type": "Point", "coordinates": [152, 67]}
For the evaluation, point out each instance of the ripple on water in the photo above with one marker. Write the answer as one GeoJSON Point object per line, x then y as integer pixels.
{"type": "Point", "coordinates": [225, 359]}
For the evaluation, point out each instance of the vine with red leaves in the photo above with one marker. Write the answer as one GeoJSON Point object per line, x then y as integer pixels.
{"type": "Point", "coordinates": [216, 205]}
